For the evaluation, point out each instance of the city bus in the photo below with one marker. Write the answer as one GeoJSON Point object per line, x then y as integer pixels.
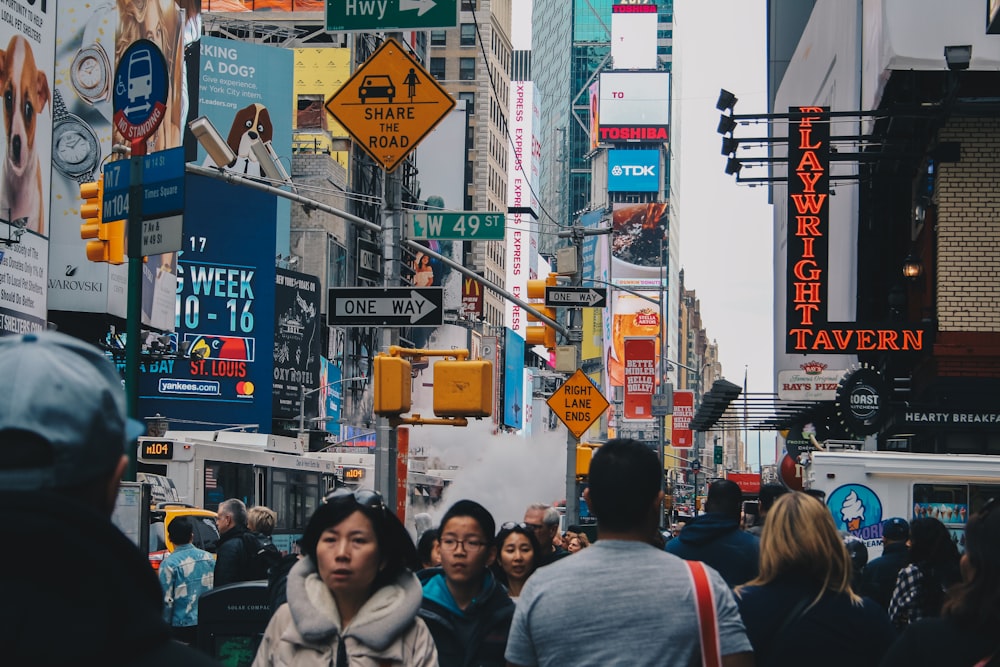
{"type": "Point", "coordinates": [207, 467]}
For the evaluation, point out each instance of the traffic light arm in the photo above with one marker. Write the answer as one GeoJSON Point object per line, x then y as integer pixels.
{"type": "Point", "coordinates": [398, 351]}
{"type": "Point", "coordinates": [417, 420]}
{"type": "Point", "coordinates": [235, 178]}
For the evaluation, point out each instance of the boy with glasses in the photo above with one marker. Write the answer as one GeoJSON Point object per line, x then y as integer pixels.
{"type": "Point", "coordinates": [466, 610]}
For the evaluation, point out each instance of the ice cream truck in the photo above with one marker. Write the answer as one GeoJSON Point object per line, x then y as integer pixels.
{"type": "Point", "coordinates": [865, 488]}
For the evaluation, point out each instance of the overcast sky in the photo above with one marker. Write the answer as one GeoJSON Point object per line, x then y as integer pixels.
{"type": "Point", "coordinates": [726, 247]}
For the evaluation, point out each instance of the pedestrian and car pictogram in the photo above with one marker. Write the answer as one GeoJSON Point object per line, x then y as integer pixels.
{"type": "Point", "coordinates": [390, 104]}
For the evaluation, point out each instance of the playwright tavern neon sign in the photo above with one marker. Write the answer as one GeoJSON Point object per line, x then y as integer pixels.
{"type": "Point", "coordinates": [807, 269]}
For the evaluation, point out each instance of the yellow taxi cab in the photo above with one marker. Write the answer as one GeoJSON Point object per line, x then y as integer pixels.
{"type": "Point", "coordinates": [206, 534]}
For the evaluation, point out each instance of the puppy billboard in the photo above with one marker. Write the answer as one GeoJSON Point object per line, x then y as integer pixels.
{"type": "Point", "coordinates": [27, 47]}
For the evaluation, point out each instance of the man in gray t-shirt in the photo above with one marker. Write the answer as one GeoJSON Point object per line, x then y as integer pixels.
{"type": "Point", "coordinates": [622, 599]}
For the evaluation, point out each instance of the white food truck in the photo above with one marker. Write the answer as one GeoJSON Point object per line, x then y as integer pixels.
{"type": "Point", "coordinates": [865, 488]}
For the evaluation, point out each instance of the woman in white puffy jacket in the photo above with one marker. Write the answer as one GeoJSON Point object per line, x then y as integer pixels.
{"type": "Point", "coordinates": [353, 601]}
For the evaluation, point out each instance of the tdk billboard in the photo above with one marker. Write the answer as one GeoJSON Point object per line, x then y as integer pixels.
{"type": "Point", "coordinates": [633, 171]}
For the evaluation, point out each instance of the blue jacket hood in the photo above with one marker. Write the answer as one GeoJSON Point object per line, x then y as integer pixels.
{"type": "Point", "coordinates": [707, 528]}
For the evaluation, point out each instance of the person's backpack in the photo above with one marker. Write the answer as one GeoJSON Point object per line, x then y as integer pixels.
{"type": "Point", "coordinates": [262, 555]}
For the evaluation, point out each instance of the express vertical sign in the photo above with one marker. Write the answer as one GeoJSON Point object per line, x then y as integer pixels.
{"type": "Point", "coordinates": [808, 329]}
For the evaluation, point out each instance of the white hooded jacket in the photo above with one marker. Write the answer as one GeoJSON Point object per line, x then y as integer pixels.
{"type": "Point", "coordinates": [306, 630]}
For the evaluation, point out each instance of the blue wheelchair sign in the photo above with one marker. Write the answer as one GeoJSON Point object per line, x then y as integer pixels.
{"type": "Point", "coordinates": [140, 94]}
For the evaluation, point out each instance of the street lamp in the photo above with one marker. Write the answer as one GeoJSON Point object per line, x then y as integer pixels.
{"type": "Point", "coordinates": [303, 393]}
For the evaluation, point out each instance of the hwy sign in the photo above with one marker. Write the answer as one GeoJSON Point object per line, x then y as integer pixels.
{"type": "Point", "coordinates": [387, 15]}
{"type": "Point", "coordinates": [390, 104]}
{"type": "Point", "coordinates": [576, 297]}
{"type": "Point", "coordinates": [578, 403]}
{"type": "Point", "coordinates": [464, 226]}
{"type": "Point", "coordinates": [139, 98]}
{"type": "Point", "coordinates": [386, 306]}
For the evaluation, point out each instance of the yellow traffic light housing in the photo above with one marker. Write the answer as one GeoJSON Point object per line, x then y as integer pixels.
{"type": "Point", "coordinates": [393, 382]}
{"type": "Point", "coordinates": [544, 335]}
{"type": "Point", "coordinates": [109, 245]}
{"type": "Point", "coordinates": [463, 388]}
{"type": "Point", "coordinates": [583, 456]}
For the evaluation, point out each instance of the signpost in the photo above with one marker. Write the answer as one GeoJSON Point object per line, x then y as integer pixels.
{"type": "Point", "coordinates": [576, 297]}
{"type": "Point", "coordinates": [400, 15]}
{"type": "Point", "coordinates": [390, 104]}
{"type": "Point", "coordinates": [462, 226]}
{"type": "Point", "coordinates": [386, 306]}
{"type": "Point", "coordinates": [578, 403]}
{"type": "Point", "coordinates": [162, 202]}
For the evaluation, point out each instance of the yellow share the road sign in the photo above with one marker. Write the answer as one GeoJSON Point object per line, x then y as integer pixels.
{"type": "Point", "coordinates": [578, 403]}
{"type": "Point", "coordinates": [390, 104]}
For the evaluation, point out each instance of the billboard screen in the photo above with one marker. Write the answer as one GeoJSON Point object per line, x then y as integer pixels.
{"type": "Point", "coordinates": [640, 378]}
{"type": "Point", "coordinates": [513, 373]}
{"type": "Point", "coordinates": [27, 37]}
{"type": "Point", "coordinates": [634, 106]}
{"type": "Point", "coordinates": [633, 171]}
{"type": "Point", "coordinates": [296, 343]}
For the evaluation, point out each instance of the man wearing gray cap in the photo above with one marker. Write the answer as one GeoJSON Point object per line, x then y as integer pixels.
{"type": "Point", "coordinates": [75, 589]}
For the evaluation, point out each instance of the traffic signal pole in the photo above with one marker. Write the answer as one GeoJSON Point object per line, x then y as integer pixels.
{"type": "Point", "coordinates": [133, 325]}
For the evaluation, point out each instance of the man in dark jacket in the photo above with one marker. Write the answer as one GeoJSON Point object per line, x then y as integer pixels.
{"type": "Point", "coordinates": [232, 557]}
{"type": "Point", "coordinates": [466, 610]}
{"type": "Point", "coordinates": [715, 537]}
{"type": "Point", "coordinates": [76, 590]}
{"type": "Point", "coordinates": [878, 579]}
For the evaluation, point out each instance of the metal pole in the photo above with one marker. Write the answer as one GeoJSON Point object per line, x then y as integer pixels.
{"type": "Point", "coordinates": [662, 419]}
{"type": "Point", "coordinates": [575, 324]}
{"type": "Point", "coordinates": [133, 315]}
{"type": "Point", "coordinates": [302, 409]}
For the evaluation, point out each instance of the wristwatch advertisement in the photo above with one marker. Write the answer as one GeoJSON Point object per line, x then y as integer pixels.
{"type": "Point", "coordinates": [76, 151]}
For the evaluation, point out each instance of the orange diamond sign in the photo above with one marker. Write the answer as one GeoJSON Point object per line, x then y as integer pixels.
{"type": "Point", "coordinates": [578, 403]}
{"type": "Point", "coordinates": [390, 104]}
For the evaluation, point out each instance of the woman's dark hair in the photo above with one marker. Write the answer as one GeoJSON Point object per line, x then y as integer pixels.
{"type": "Point", "coordinates": [425, 546]}
{"type": "Point", "coordinates": [505, 532]}
{"type": "Point", "coordinates": [394, 543]}
{"type": "Point", "coordinates": [975, 601]}
{"type": "Point", "coordinates": [936, 556]}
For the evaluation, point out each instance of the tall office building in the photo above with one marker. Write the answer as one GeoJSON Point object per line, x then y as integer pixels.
{"type": "Point", "coordinates": [571, 44]}
{"type": "Point", "coordinates": [472, 62]}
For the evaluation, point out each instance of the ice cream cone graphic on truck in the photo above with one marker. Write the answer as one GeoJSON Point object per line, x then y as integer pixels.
{"type": "Point", "coordinates": [852, 511]}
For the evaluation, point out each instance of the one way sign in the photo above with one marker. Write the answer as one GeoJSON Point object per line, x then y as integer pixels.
{"type": "Point", "coordinates": [576, 297]}
{"type": "Point", "coordinates": [386, 306]}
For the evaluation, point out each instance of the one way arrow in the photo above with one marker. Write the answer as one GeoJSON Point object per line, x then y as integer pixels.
{"type": "Point", "coordinates": [575, 296]}
{"type": "Point", "coordinates": [414, 308]}
{"type": "Point", "coordinates": [422, 6]}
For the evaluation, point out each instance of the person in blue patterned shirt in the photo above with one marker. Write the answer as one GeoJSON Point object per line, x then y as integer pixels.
{"type": "Point", "coordinates": [185, 575]}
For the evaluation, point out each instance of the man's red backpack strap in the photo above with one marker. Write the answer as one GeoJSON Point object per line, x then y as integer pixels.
{"type": "Point", "coordinates": [708, 629]}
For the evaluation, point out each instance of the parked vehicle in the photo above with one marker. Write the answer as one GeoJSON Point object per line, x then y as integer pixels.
{"type": "Point", "coordinates": [865, 488]}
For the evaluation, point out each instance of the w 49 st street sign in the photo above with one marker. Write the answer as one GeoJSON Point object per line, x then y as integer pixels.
{"type": "Point", "coordinates": [386, 306]}
{"type": "Point", "coordinates": [576, 297]}
{"type": "Point", "coordinates": [463, 226]}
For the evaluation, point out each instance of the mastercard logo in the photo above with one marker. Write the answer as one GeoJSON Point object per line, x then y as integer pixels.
{"type": "Point", "coordinates": [244, 388]}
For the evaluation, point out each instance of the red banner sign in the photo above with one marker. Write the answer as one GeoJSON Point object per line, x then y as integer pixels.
{"type": "Point", "coordinates": [682, 436]}
{"type": "Point", "coordinates": [748, 482]}
{"type": "Point", "coordinates": [640, 377]}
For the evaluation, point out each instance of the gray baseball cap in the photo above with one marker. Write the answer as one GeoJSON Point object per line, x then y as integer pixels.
{"type": "Point", "coordinates": [68, 394]}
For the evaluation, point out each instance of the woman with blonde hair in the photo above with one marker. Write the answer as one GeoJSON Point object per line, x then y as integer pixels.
{"type": "Point", "coordinates": [802, 602]}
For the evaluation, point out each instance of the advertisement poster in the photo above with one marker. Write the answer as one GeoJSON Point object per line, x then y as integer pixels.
{"type": "Point", "coordinates": [637, 244]}
{"type": "Point", "coordinates": [683, 436]}
{"type": "Point", "coordinates": [92, 38]}
{"type": "Point", "coordinates": [296, 343]}
{"type": "Point", "coordinates": [513, 373]}
{"type": "Point", "coordinates": [225, 313]}
{"type": "Point", "coordinates": [27, 40]}
{"type": "Point", "coordinates": [632, 317]}
{"type": "Point", "coordinates": [640, 378]}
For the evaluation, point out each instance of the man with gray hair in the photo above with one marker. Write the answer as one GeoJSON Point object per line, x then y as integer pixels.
{"type": "Point", "coordinates": [64, 432]}
{"type": "Point", "coordinates": [232, 558]}
{"type": "Point", "coordinates": [544, 520]}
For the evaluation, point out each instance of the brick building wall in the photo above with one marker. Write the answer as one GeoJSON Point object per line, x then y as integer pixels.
{"type": "Point", "coordinates": [968, 229]}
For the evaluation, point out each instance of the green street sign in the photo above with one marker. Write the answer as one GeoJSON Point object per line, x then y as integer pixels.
{"type": "Point", "coordinates": [463, 226]}
{"type": "Point", "coordinates": [388, 15]}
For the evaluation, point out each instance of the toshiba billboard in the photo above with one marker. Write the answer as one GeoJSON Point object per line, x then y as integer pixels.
{"type": "Point", "coordinates": [633, 107]}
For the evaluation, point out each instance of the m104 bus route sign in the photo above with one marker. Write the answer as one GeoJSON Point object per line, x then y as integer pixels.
{"type": "Point", "coordinates": [578, 403]}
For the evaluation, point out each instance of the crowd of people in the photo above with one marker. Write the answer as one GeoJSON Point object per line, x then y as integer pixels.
{"type": "Point", "coordinates": [362, 592]}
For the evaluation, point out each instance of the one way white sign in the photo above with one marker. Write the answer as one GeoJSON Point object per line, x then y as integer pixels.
{"type": "Point", "coordinates": [387, 306]}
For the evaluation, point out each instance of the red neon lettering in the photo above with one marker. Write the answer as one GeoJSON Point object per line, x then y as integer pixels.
{"type": "Point", "coordinates": [808, 225]}
{"type": "Point", "coordinates": [811, 203]}
{"type": "Point", "coordinates": [807, 311]}
{"type": "Point", "coordinates": [809, 180]}
{"type": "Point", "coordinates": [799, 273]}
{"type": "Point", "coordinates": [806, 292]}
